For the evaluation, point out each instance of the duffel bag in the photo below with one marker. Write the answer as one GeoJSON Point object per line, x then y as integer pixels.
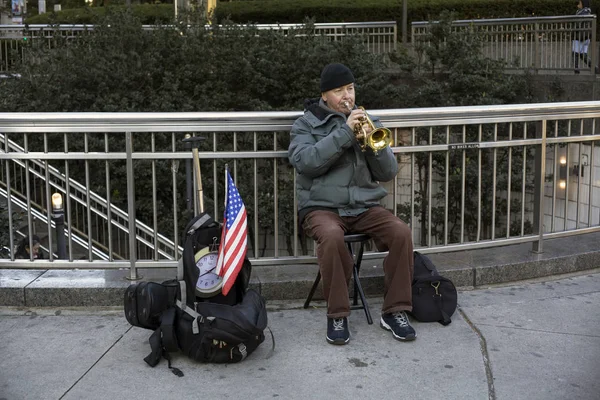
{"type": "Point", "coordinates": [434, 297]}
{"type": "Point", "coordinates": [146, 301]}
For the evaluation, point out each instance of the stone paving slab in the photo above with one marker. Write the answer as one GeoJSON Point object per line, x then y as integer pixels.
{"type": "Point", "coordinates": [543, 339]}
{"type": "Point", "coordinates": [43, 356]}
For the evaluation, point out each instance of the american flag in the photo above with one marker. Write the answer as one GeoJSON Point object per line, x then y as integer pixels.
{"type": "Point", "coordinates": [234, 236]}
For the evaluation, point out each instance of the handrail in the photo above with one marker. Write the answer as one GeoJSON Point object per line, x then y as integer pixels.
{"type": "Point", "coordinates": [496, 21]}
{"type": "Point", "coordinates": [279, 120]}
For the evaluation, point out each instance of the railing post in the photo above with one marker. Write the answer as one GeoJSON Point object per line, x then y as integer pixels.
{"type": "Point", "coordinates": [536, 48]}
{"type": "Point", "coordinates": [594, 49]}
{"type": "Point", "coordinates": [131, 207]}
{"type": "Point", "coordinates": [404, 22]}
{"type": "Point", "coordinates": [540, 173]}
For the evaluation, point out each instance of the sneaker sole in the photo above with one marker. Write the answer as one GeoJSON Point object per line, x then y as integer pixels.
{"type": "Point", "coordinates": [400, 338]}
{"type": "Point", "coordinates": [338, 342]}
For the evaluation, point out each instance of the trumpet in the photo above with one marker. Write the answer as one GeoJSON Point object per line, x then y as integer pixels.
{"type": "Point", "coordinates": [378, 139]}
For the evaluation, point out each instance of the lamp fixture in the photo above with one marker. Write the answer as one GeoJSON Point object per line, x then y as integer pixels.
{"type": "Point", "coordinates": [562, 184]}
{"type": "Point", "coordinates": [57, 203]}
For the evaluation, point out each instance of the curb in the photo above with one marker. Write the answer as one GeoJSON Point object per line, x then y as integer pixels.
{"type": "Point", "coordinates": [84, 288]}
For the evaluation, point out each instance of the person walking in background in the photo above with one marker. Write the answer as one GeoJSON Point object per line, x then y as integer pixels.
{"type": "Point", "coordinates": [582, 41]}
{"type": "Point", "coordinates": [338, 192]}
{"type": "Point", "coordinates": [23, 249]}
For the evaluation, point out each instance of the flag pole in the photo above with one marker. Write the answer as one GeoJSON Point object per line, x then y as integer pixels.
{"type": "Point", "coordinates": [198, 179]}
{"type": "Point", "coordinates": [219, 268]}
{"type": "Point", "coordinates": [226, 185]}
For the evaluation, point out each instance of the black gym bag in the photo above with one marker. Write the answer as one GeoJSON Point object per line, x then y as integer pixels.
{"type": "Point", "coordinates": [434, 297]}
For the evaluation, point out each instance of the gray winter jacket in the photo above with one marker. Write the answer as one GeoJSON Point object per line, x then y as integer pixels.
{"type": "Point", "coordinates": [332, 171]}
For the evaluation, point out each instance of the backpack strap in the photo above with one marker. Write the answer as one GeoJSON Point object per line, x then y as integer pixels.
{"type": "Point", "coordinates": [163, 339]}
{"type": "Point", "coordinates": [182, 290]}
{"type": "Point", "coordinates": [437, 298]}
{"type": "Point", "coordinates": [198, 318]}
{"type": "Point", "coordinates": [180, 269]}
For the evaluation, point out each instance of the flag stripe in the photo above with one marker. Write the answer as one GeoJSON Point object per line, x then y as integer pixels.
{"type": "Point", "coordinates": [234, 237]}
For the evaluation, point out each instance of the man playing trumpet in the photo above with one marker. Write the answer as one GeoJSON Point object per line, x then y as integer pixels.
{"type": "Point", "coordinates": [339, 192]}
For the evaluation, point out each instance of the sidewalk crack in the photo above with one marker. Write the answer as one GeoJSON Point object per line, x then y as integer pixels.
{"type": "Point", "coordinates": [484, 352]}
{"type": "Point", "coordinates": [96, 362]}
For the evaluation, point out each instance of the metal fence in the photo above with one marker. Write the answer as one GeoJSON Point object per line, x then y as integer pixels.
{"type": "Point", "coordinates": [470, 177]}
{"type": "Point", "coordinates": [539, 43]}
{"type": "Point", "coordinates": [82, 227]}
{"type": "Point", "coordinates": [379, 37]}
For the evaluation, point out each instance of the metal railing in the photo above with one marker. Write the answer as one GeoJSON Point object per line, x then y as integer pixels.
{"type": "Point", "coordinates": [379, 37]}
{"type": "Point", "coordinates": [470, 177]}
{"type": "Point", "coordinates": [539, 43]}
{"type": "Point", "coordinates": [82, 199]}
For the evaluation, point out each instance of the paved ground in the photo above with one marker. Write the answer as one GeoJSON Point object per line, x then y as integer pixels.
{"type": "Point", "coordinates": [530, 340]}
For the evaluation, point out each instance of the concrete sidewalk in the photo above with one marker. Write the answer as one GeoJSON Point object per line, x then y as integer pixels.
{"type": "Point", "coordinates": [530, 340]}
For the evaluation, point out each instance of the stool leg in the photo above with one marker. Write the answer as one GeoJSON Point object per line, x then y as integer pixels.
{"type": "Point", "coordinates": [362, 298]}
{"type": "Point", "coordinates": [355, 294]}
{"type": "Point", "coordinates": [357, 264]}
{"type": "Point", "coordinates": [358, 290]}
{"type": "Point", "coordinates": [312, 291]}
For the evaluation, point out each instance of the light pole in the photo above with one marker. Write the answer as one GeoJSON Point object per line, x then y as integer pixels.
{"type": "Point", "coordinates": [58, 216]}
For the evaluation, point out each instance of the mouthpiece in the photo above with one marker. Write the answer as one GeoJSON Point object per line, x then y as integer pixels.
{"type": "Point", "coordinates": [347, 105]}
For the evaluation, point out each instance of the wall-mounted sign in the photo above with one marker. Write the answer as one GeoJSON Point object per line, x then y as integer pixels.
{"type": "Point", "coordinates": [463, 146]}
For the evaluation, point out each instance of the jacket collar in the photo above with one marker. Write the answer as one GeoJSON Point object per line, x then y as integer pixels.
{"type": "Point", "coordinates": [317, 113]}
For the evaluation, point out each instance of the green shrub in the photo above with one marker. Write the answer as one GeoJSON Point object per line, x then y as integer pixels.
{"type": "Point", "coordinates": [295, 11]}
{"type": "Point", "coordinates": [292, 11]}
{"type": "Point", "coordinates": [148, 14]}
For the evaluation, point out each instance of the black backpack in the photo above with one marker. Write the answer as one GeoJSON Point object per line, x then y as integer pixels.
{"type": "Point", "coordinates": [219, 329]}
{"type": "Point", "coordinates": [434, 297]}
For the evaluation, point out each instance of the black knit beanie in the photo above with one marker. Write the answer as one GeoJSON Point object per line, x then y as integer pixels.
{"type": "Point", "coordinates": [335, 75]}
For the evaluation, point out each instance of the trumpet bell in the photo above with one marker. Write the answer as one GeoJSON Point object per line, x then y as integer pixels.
{"type": "Point", "coordinates": [379, 139]}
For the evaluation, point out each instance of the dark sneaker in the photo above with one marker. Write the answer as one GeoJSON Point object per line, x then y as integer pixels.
{"type": "Point", "coordinates": [398, 323]}
{"type": "Point", "coordinates": [337, 330]}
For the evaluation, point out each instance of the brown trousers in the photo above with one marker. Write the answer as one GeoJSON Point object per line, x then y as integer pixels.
{"type": "Point", "coordinates": [335, 262]}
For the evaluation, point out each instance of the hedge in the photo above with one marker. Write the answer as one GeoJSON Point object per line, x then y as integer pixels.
{"type": "Point", "coordinates": [147, 13]}
{"type": "Point", "coordinates": [296, 11]}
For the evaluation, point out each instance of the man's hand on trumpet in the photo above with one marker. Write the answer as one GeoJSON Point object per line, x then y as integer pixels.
{"type": "Point", "coordinates": [355, 120]}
